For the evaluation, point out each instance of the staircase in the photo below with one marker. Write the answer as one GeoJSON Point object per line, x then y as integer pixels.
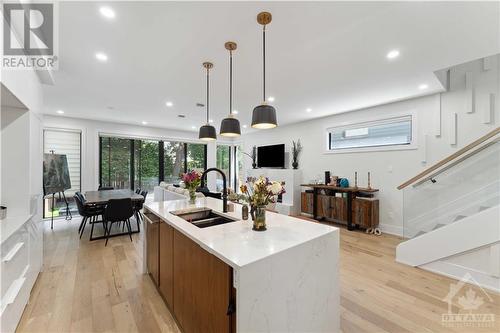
{"type": "Point", "coordinates": [452, 214]}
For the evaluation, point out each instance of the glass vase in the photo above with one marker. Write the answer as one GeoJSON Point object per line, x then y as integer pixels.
{"type": "Point", "coordinates": [259, 218]}
{"type": "Point", "coordinates": [192, 196]}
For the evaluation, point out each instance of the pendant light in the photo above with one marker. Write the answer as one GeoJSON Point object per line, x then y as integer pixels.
{"type": "Point", "coordinates": [207, 131]}
{"type": "Point", "coordinates": [264, 115]}
{"type": "Point", "coordinates": [230, 126]}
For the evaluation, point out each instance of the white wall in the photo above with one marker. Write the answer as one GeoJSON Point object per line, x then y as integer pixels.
{"type": "Point", "coordinates": [90, 142]}
{"type": "Point", "coordinates": [434, 117]}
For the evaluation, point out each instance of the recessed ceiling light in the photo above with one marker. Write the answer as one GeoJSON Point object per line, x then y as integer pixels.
{"type": "Point", "coordinates": [309, 110]}
{"type": "Point", "coordinates": [144, 122]}
{"type": "Point", "coordinates": [210, 120]}
{"type": "Point", "coordinates": [101, 56]}
{"type": "Point", "coordinates": [235, 111]}
{"type": "Point", "coordinates": [393, 54]}
{"type": "Point", "coordinates": [193, 127]}
{"type": "Point", "coordinates": [423, 86]}
{"type": "Point", "coordinates": [245, 126]}
{"type": "Point", "coordinates": [107, 12]}
{"type": "Point", "coordinates": [270, 99]}
{"type": "Point", "coordinates": [60, 111]}
{"type": "Point", "coordinates": [169, 104]}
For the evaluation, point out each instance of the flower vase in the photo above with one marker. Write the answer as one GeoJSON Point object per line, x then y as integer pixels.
{"type": "Point", "coordinates": [192, 196]}
{"type": "Point", "coordinates": [295, 165]}
{"type": "Point", "coordinates": [259, 218]}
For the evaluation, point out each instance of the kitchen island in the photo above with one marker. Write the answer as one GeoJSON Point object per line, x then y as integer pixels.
{"type": "Point", "coordinates": [229, 278]}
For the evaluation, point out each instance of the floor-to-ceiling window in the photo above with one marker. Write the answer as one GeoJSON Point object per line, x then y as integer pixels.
{"type": "Point", "coordinates": [223, 162]}
{"type": "Point", "coordinates": [146, 166]}
{"type": "Point", "coordinates": [63, 142]}
{"type": "Point", "coordinates": [174, 161]}
{"type": "Point", "coordinates": [116, 162]}
{"type": "Point", "coordinates": [136, 163]}
{"type": "Point", "coordinates": [239, 178]}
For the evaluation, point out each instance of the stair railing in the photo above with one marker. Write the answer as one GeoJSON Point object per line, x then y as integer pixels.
{"type": "Point", "coordinates": [454, 159]}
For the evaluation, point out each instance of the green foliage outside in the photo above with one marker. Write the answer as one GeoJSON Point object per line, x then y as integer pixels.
{"type": "Point", "coordinates": [116, 159]}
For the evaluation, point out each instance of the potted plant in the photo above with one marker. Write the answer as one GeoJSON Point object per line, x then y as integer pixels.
{"type": "Point", "coordinates": [253, 156]}
{"type": "Point", "coordinates": [192, 181]}
{"type": "Point", "coordinates": [296, 149]}
{"type": "Point", "coordinates": [259, 193]}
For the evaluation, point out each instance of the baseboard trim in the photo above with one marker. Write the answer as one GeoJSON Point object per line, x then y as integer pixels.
{"type": "Point", "coordinates": [458, 272]}
{"type": "Point", "coordinates": [391, 229]}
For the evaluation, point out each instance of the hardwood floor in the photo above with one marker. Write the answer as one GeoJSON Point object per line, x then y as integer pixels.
{"type": "Point", "coordinates": [87, 287]}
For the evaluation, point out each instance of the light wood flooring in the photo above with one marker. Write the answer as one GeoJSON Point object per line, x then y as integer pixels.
{"type": "Point", "coordinates": [86, 287]}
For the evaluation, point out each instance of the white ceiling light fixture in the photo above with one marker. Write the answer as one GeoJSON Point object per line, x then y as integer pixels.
{"type": "Point", "coordinates": [423, 86]}
{"type": "Point", "coordinates": [101, 56]}
{"type": "Point", "coordinates": [393, 54]}
{"type": "Point", "coordinates": [144, 122]}
{"type": "Point", "coordinates": [235, 111]}
{"type": "Point", "coordinates": [270, 99]}
{"type": "Point", "coordinates": [107, 12]}
{"type": "Point", "coordinates": [210, 120]}
{"type": "Point", "coordinates": [308, 110]}
{"type": "Point", "coordinates": [245, 126]}
{"type": "Point", "coordinates": [60, 111]}
{"type": "Point", "coordinates": [193, 127]}
{"type": "Point", "coordinates": [169, 104]}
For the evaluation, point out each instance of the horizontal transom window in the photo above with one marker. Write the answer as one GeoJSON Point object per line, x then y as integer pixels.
{"type": "Point", "coordinates": [387, 132]}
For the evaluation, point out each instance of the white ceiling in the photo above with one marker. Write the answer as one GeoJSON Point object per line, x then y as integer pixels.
{"type": "Point", "coordinates": [328, 56]}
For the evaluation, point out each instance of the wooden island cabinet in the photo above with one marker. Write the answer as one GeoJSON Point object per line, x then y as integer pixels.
{"type": "Point", "coordinates": [228, 278]}
{"type": "Point", "coordinates": [195, 285]}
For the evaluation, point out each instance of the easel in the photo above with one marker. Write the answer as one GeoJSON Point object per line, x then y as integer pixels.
{"type": "Point", "coordinates": [69, 216]}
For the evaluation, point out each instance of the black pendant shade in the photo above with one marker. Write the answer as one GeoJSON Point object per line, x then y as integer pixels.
{"type": "Point", "coordinates": [207, 131]}
{"type": "Point", "coordinates": [264, 117]}
{"type": "Point", "coordinates": [230, 127]}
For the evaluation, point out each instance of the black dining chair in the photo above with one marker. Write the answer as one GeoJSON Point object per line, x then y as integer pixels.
{"type": "Point", "coordinates": [138, 191]}
{"type": "Point", "coordinates": [138, 207]}
{"type": "Point", "coordinates": [118, 210]}
{"type": "Point", "coordinates": [105, 188]}
{"type": "Point", "coordinates": [88, 213]}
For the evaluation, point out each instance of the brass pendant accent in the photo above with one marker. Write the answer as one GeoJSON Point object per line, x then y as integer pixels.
{"type": "Point", "coordinates": [208, 65]}
{"type": "Point", "coordinates": [231, 46]}
{"type": "Point", "coordinates": [264, 18]}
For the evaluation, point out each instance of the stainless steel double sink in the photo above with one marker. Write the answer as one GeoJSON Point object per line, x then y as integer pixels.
{"type": "Point", "coordinates": [202, 217]}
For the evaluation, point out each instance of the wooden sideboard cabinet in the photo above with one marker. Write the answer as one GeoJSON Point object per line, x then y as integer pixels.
{"type": "Point", "coordinates": [365, 212]}
{"type": "Point", "coordinates": [362, 212]}
{"type": "Point", "coordinates": [306, 202]}
{"type": "Point", "coordinates": [338, 207]}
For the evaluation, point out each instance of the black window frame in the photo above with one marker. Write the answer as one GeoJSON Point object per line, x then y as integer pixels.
{"type": "Point", "coordinates": [161, 157]}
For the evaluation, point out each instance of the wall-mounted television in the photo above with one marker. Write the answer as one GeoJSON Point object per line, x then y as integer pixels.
{"type": "Point", "coordinates": [271, 156]}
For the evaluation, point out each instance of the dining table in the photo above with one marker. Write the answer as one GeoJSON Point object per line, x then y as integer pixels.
{"type": "Point", "coordinates": [101, 198]}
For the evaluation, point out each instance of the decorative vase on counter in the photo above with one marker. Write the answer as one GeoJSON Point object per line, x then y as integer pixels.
{"type": "Point", "coordinates": [192, 196]}
{"type": "Point", "coordinates": [295, 165]}
{"type": "Point", "coordinates": [259, 218]}
{"type": "Point", "coordinates": [244, 212]}
{"type": "Point", "coordinates": [254, 165]}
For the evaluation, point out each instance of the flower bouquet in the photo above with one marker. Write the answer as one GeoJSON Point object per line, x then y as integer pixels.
{"type": "Point", "coordinates": [259, 193]}
{"type": "Point", "coordinates": [192, 181]}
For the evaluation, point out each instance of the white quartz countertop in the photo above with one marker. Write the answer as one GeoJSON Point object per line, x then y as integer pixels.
{"type": "Point", "coordinates": [236, 243]}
